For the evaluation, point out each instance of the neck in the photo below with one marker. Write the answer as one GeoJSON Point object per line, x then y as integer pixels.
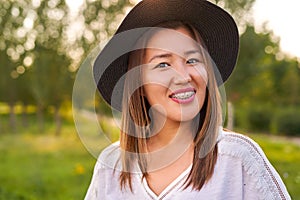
{"type": "Point", "coordinates": [169, 132]}
{"type": "Point", "coordinates": [171, 142]}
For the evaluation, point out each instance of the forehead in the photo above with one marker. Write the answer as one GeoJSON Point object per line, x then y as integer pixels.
{"type": "Point", "coordinates": [173, 40]}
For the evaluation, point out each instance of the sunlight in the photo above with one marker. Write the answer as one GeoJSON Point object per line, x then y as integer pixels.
{"type": "Point", "coordinates": [282, 17]}
{"type": "Point", "coordinates": [74, 4]}
{"type": "Point", "coordinates": [134, 1]}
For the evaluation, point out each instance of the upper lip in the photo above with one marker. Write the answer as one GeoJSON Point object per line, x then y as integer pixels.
{"type": "Point", "coordinates": [182, 91]}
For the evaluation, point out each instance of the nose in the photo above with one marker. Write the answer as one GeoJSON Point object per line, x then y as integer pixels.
{"type": "Point", "coordinates": [182, 75]}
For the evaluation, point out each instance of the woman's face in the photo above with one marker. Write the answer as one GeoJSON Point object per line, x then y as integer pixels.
{"type": "Point", "coordinates": [174, 75]}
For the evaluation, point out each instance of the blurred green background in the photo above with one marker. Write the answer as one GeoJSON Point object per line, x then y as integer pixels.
{"type": "Point", "coordinates": [42, 45]}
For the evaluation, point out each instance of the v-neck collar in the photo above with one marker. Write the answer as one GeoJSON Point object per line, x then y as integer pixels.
{"type": "Point", "coordinates": [173, 186]}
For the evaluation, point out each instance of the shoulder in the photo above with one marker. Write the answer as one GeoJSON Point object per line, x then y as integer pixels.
{"type": "Point", "coordinates": [109, 157]}
{"type": "Point", "coordinates": [104, 176]}
{"type": "Point", "coordinates": [238, 145]}
{"type": "Point", "coordinates": [245, 149]}
{"type": "Point", "coordinates": [254, 162]}
{"type": "Point", "coordinates": [110, 160]}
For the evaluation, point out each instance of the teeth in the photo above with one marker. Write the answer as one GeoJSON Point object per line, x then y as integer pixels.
{"type": "Point", "coordinates": [184, 95]}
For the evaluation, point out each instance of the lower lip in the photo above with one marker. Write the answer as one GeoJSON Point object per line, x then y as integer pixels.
{"type": "Point", "coordinates": [184, 101]}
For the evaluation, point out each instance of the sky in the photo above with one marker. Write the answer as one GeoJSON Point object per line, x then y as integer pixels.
{"type": "Point", "coordinates": [282, 17]}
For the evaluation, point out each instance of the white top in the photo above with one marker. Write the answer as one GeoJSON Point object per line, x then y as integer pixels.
{"type": "Point", "coordinates": [242, 171]}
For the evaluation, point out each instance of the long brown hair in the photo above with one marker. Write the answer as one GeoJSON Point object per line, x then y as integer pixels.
{"type": "Point", "coordinates": [136, 121]}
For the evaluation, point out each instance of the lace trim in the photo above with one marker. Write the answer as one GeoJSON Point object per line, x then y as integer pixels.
{"type": "Point", "coordinates": [173, 186]}
{"type": "Point", "coordinates": [253, 161]}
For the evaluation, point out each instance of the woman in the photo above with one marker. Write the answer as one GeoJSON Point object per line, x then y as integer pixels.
{"type": "Point", "coordinates": [172, 145]}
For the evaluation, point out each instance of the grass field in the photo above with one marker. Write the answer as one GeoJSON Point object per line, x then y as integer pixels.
{"type": "Point", "coordinates": [45, 166]}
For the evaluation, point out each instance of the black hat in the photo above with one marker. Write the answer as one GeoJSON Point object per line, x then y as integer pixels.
{"type": "Point", "coordinates": [216, 27]}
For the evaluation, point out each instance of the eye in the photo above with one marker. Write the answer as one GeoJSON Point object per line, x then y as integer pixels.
{"type": "Point", "coordinates": [162, 65]}
{"type": "Point", "coordinates": [192, 61]}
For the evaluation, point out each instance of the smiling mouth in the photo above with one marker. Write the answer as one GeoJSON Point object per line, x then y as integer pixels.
{"type": "Point", "coordinates": [183, 96]}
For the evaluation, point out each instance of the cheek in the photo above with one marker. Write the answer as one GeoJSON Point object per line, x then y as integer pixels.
{"type": "Point", "coordinates": [152, 91]}
{"type": "Point", "coordinates": [200, 76]}
{"type": "Point", "coordinates": [157, 78]}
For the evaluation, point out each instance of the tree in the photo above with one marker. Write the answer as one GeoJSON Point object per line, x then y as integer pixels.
{"type": "Point", "coordinates": [37, 52]}
{"type": "Point", "coordinates": [50, 78]}
{"type": "Point", "coordinates": [50, 82]}
{"type": "Point", "coordinates": [240, 10]}
{"type": "Point", "coordinates": [100, 20]}
{"type": "Point", "coordinates": [290, 85]}
{"type": "Point", "coordinates": [253, 61]}
{"type": "Point", "coordinates": [11, 52]}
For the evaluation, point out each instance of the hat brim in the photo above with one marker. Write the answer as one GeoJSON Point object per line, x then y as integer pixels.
{"type": "Point", "coordinates": [216, 27]}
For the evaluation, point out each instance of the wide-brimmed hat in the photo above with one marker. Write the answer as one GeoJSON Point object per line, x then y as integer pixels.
{"type": "Point", "coordinates": [216, 27]}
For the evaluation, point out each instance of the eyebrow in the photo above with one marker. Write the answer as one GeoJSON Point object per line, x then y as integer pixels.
{"type": "Point", "coordinates": [165, 55]}
{"type": "Point", "coordinates": [168, 55]}
{"type": "Point", "coordinates": [192, 52]}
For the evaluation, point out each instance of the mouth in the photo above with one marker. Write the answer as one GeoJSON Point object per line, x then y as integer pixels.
{"type": "Point", "coordinates": [183, 95]}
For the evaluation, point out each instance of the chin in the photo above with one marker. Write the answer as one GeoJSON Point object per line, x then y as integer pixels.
{"type": "Point", "coordinates": [183, 117]}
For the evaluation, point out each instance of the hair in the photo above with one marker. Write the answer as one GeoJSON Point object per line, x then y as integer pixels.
{"type": "Point", "coordinates": [135, 120]}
